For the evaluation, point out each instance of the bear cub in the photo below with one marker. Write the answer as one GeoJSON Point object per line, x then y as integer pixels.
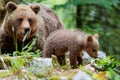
{"type": "Point", "coordinates": [61, 41]}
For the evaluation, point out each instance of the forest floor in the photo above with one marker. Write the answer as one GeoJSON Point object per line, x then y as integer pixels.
{"type": "Point", "coordinates": [33, 68]}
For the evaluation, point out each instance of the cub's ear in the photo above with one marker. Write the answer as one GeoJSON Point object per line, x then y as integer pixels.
{"type": "Point", "coordinates": [11, 6]}
{"type": "Point", "coordinates": [96, 36]}
{"type": "Point", "coordinates": [89, 38]}
{"type": "Point", "coordinates": [35, 8]}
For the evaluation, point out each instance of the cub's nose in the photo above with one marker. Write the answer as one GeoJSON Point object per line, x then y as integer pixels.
{"type": "Point", "coordinates": [26, 30]}
{"type": "Point", "coordinates": [95, 57]}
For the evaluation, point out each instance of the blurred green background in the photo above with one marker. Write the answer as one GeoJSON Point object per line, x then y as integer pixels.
{"type": "Point", "coordinates": [92, 16]}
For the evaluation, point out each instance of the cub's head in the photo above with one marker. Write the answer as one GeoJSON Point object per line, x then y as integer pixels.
{"type": "Point", "coordinates": [92, 45]}
{"type": "Point", "coordinates": [21, 19]}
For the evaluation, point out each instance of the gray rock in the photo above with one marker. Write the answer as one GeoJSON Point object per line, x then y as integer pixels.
{"type": "Point", "coordinates": [101, 54]}
{"type": "Point", "coordinates": [82, 76]}
{"type": "Point", "coordinates": [63, 78]}
{"type": "Point", "coordinates": [43, 62]}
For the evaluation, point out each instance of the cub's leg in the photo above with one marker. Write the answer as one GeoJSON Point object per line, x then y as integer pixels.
{"type": "Point", "coordinates": [61, 60]}
{"type": "Point", "coordinates": [79, 59]}
{"type": "Point", "coordinates": [73, 59]}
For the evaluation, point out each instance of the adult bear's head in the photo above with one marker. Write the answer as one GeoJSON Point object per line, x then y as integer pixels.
{"type": "Point", "coordinates": [21, 19]}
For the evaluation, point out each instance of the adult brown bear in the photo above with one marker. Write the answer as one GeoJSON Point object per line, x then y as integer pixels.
{"type": "Point", "coordinates": [30, 20]}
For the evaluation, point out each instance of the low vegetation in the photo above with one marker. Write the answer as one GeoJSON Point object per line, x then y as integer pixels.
{"type": "Point", "coordinates": [23, 67]}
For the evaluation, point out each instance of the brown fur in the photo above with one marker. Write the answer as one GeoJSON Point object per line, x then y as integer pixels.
{"type": "Point", "coordinates": [61, 41]}
{"type": "Point", "coordinates": [40, 21]}
{"type": "Point", "coordinates": [2, 8]}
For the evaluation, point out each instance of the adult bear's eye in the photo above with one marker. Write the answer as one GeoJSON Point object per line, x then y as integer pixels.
{"type": "Point", "coordinates": [30, 20]}
{"type": "Point", "coordinates": [19, 20]}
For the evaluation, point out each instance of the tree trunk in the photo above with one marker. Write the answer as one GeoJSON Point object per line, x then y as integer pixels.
{"type": "Point", "coordinates": [78, 17]}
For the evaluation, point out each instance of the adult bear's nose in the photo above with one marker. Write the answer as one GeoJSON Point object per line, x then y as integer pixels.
{"type": "Point", "coordinates": [27, 29]}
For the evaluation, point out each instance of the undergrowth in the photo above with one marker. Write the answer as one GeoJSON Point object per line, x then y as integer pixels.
{"type": "Point", "coordinates": [105, 69]}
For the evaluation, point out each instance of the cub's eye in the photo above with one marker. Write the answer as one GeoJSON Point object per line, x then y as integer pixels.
{"type": "Point", "coordinates": [19, 20]}
{"type": "Point", "coordinates": [94, 50]}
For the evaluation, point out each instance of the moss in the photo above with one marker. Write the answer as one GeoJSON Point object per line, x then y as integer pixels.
{"type": "Point", "coordinates": [59, 72]}
{"type": "Point", "coordinates": [31, 76]}
{"type": "Point", "coordinates": [4, 74]}
{"type": "Point", "coordinates": [40, 75]}
{"type": "Point", "coordinates": [70, 77]}
{"type": "Point", "coordinates": [7, 62]}
{"type": "Point", "coordinates": [1, 5]}
{"type": "Point", "coordinates": [54, 78]}
{"type": "Point", "coordinates": [27, 76]}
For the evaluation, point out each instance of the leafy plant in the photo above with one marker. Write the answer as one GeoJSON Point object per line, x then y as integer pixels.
{"type": "Point", "coordinates": [17, 64]}
{"type": "Point", "coordinates": [106, 64]}
{"type": "Point", "coordinates": [113, 75]}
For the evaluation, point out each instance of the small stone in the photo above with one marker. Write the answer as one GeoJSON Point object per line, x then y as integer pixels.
{"type": "Point", "coordinates": [82, 76]}
{"type": "Point", "coordinates": [63, 78]}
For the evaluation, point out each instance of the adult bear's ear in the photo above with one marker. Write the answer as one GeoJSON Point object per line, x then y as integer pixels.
{"type": "Point", "coordinates": [11, 6]}
{"type": "Point", "coordinates": [35, 8]}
